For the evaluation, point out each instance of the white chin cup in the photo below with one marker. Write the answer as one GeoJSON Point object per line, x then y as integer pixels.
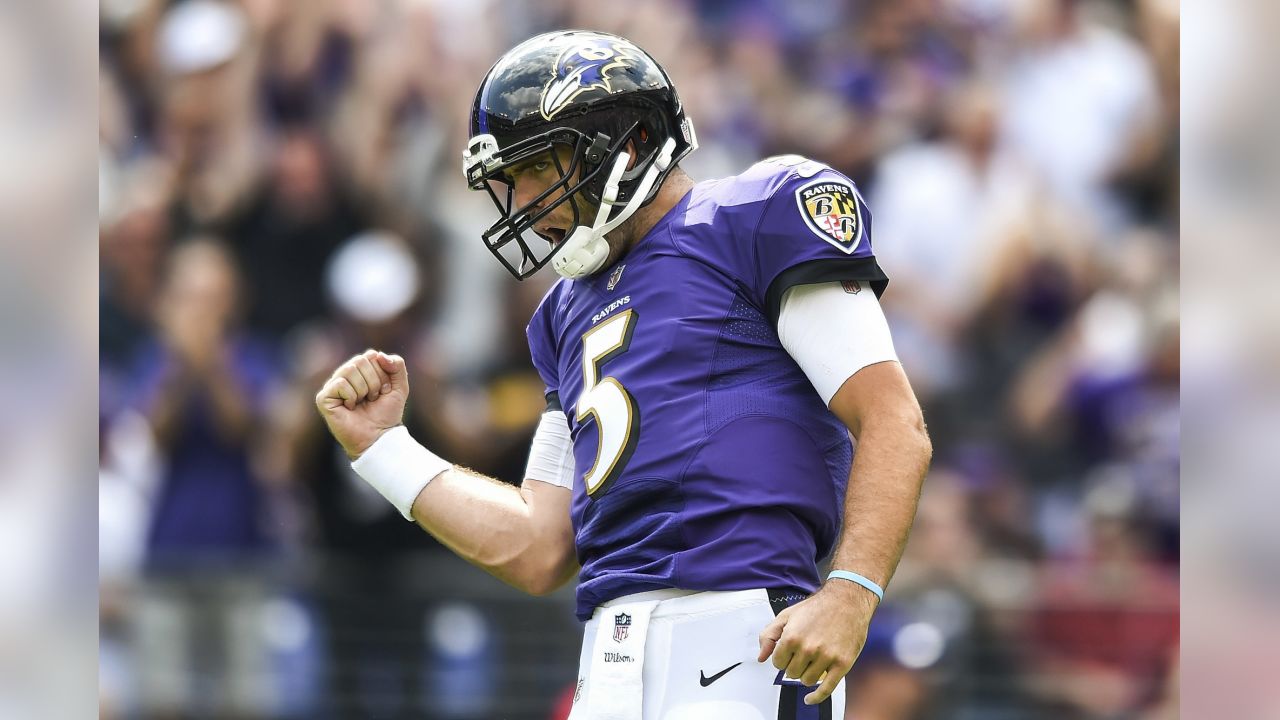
{"type": "Point", "coordinates": [585, 253]}
{"type": "Point", "coordinates": [586, 249]}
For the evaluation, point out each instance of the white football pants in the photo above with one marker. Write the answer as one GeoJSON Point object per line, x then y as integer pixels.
{"type": "Point", "coordinates": [679, 655]}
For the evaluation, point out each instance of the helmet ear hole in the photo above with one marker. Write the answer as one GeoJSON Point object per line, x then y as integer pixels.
{"type": "Point", "coordinates": [644, 134]}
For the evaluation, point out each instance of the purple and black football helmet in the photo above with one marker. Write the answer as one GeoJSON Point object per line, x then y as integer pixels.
{"type": "Point", "coordinates": [596, 95]}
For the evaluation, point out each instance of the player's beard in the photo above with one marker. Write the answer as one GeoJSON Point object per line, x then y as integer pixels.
{"type": "Point", "coordinates": [620, 239]}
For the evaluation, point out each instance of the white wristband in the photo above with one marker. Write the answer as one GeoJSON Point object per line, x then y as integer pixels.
{"type": "Point", "coordinates": [399, 467]}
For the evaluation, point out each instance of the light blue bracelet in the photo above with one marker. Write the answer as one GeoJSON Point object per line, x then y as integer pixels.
{"type": "Point", "coordinates": [854, 577]}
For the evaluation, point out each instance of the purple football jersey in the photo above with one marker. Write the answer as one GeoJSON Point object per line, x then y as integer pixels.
{"type": "Point", "coordinates": [705, 458]}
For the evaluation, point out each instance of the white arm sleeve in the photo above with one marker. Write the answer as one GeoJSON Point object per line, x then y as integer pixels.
{"type": "Point", "coordinates": [832, 333]}
{"type": "Point", "coordinates": [551, 455]}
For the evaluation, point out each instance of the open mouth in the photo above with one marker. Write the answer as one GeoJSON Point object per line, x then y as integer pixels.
{"type": "Point", "coordinates": [552, 235]}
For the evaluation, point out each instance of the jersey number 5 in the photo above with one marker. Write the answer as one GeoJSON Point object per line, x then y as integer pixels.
{"type": "Point", "coordinates": [615, 412]}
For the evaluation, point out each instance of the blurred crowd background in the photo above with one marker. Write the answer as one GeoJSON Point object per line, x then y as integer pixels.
{"type": "Point", "coordinates": [280, 187]}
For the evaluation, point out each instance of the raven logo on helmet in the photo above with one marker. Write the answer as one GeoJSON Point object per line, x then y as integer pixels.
{"type": "Point", "coordinates": [578, 69]}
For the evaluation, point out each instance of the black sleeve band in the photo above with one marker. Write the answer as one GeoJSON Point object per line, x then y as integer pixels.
{"type": "Point", "coordinates": [821, 271]}
{"type": "Point", "coordinates": [553, 401]}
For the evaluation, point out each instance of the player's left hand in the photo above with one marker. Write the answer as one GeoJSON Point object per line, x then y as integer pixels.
{"type": "Point", "coordinates": [818, 639]}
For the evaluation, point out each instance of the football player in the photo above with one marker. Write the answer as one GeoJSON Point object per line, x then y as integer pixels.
{"type": "Point", "coordinates": [707, 353]}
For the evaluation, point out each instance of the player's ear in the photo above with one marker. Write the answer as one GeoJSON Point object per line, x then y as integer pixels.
{"type": "Point", "coordinates": [631, 150]}
{"type": "Point", "coordinates": [642, 135]}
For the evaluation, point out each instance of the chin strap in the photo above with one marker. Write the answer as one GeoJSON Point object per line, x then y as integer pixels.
{"type": "Point", "coordinates": [586, 249]}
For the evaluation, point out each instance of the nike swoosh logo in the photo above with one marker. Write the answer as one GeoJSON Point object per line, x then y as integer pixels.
{"type": "Point", "coordinates": [708, 680]}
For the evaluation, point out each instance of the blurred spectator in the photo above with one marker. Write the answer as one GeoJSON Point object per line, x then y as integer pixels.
{"type": "Point", "coordinates": [905, 58]}
{"type": "Point", "coordinates": [943, 205]}
{"type": "Point", "coordinates": [306, 60]}
{"type": "Point", "coordinates": [954, 584]}
{"type": "Point", "coordinates": [203, 388]}
{"type": "Point", "coordinates": [1104, 393]}
{"type": "Point", "coordinates": [207, 111]}
{"type": "Point", "coordinates": [126, 483]}
{"type": "Point", "coordinates": [1034, 284]}
{"type": "Point", "coordinates": [888, 682]}
{"type": "Point", "coordinates": [132, 249]}
{"type": "Point", "coordinates": [1107, 622]}
{"type": "Point", "coordinates": [1083, 108]}
{"type": "Point", "coordinates": [288, 230]}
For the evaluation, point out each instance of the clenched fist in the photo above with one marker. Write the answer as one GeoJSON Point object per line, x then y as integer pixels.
{"type": "Point", "coordinates": [364, 398]}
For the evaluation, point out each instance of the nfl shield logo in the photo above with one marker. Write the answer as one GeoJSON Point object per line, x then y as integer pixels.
{"type": "Point", "coordinates": [615, 277]}
{"type": "Point", "coordinates": [621, 626]}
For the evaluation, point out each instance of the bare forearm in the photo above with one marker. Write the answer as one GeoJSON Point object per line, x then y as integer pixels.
{"type": "Point", "coordinates": [521, 535]}
{"type": "Point", "coordinates": [880, 502]}
{"type": "Point", "coordinates": [492, 525]}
